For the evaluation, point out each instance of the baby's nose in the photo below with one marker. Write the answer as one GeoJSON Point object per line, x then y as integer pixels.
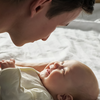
{"type": "Point", "coordinates": [57, 65]}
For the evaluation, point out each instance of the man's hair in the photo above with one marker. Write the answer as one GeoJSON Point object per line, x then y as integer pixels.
{"type": "Point", "coordinates": [59, 6]}
{"type": "Point", "coordinates": [13, 1]}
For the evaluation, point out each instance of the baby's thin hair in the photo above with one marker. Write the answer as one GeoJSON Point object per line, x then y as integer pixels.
{"type": "Point", "coordinates": [83, 96]}
{"type": "Point", "coordinates": [81, 93]}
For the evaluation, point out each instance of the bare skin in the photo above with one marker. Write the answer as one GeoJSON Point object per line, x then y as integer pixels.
{"type": "Point", "coordinates": [11, 63]}
{"type": "Point", "coordinates": [7, 63]}
{"type": "Point", "coordinates": [38, 66]}
{"type": "Point", "coordinates": [25, 23]}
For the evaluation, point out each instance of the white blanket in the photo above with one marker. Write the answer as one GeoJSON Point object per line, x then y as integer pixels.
{"type": "Point", "coordinates": [79, 41]}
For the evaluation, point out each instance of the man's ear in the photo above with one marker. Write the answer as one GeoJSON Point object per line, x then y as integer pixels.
{"type": "Point", "coordinates": [37, 6]}
{"type": "Point", "coordinates": [64, 97]}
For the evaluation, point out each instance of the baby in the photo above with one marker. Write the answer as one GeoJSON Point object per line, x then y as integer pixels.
{"type": "Point", "coordinates": [68, 80]}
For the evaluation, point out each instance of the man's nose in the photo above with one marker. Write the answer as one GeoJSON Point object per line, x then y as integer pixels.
{"type": "Point", "coordinates": [44, 39]}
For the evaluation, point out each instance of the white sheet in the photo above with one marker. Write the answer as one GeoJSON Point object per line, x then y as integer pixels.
{"type": "Point", "coordinates": [79, 41]}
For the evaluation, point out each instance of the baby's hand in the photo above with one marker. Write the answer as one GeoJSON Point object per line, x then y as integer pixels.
{"type": "Point", "coordinates": [7, 64]}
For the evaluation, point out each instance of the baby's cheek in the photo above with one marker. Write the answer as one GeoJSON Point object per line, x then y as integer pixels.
{"type": "Point", "coordinates": [54, 77]}
{"type": "Point", "coordinates": [52, 82]}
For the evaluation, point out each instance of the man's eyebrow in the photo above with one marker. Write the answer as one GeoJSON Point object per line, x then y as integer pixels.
{"type": "Point", "coordinates": [66, 24]}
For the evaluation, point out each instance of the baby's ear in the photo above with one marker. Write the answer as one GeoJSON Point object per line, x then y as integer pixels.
{"type": "Point", "coordinates": [64, 97]}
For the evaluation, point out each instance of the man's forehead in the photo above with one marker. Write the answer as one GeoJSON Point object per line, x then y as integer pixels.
{"type": "Point", "coordinates": [71, 15]}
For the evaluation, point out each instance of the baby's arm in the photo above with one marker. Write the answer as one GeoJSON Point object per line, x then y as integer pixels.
{"type": "Point", "coordinates": [38, 66]}
{"type": "Point", "coordinates": [7, 64]}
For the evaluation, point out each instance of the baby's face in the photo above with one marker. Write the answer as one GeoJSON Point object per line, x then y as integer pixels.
{"type": "Point", "coordinates": [61, 77]}
{"type": "Point", "coordinates": [56, 76]}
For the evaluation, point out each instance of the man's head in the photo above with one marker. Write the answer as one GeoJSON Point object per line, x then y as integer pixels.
{"type": "Point", "coordinates": [60, 6]}
{"type": "Point", "coordinates": [30, 20]}
{"type": "Point", "coordinates": [70, 80]}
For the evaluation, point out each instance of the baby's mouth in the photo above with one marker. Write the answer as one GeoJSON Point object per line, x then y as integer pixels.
{"type": "Point", "coordinates": [48, 70]}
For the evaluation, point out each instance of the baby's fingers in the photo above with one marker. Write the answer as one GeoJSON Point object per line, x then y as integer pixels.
{"type": "Point", "coordinates": [7, 63]}
{"type": "Point", "coordinates": [13, 60]}
{"type": "Point", "coordinates": [49, 65]}
{"type": "Point", "coordinates": [3, 64]}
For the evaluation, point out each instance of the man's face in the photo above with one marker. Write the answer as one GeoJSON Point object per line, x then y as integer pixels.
{"type": "Point", "coordinates": [40, 27]}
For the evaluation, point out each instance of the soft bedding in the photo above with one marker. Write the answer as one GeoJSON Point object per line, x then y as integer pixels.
{"type": "Point", "coordinates": [79, 41]}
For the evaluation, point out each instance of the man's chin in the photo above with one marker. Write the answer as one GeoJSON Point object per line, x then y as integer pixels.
{"type": "Point", "coordinates": [21, 42]}
{"type": "Point", "coordinates": [17, 43]}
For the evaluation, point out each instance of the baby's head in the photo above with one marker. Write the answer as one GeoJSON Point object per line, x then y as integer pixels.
{"type": "Point", "coordinates": [70, 80]}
